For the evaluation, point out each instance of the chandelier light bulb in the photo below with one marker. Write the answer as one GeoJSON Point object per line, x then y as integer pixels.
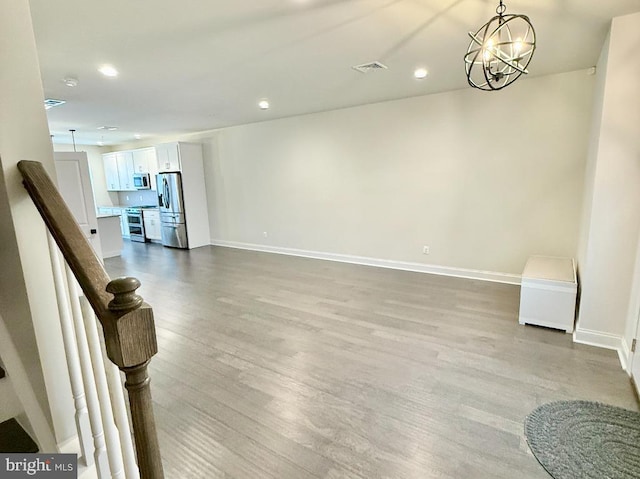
{"type": "Point", "coordinates": [517, 46]}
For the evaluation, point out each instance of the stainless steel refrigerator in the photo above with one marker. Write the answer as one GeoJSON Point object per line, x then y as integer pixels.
{"type": "Point", "coordinates": [172, 217]}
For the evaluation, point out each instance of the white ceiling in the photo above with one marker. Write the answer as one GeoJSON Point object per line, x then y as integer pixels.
{"type": "Point", "coordinates": [195, 65]}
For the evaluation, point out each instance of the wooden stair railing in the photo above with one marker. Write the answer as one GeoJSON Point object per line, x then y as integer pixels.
{"type": "Point", "coordinates": [127, 321]}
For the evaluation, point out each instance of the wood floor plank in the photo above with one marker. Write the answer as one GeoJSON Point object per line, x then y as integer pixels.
{"type": "Point", "coordinates": [272, 366]}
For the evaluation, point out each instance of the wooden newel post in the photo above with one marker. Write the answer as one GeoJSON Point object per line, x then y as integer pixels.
{"type": "Point", "coordinates": [130, 339]}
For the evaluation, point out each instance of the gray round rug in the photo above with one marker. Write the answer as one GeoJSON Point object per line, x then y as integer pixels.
{"type": "Point", "coordinates": [585, 440]}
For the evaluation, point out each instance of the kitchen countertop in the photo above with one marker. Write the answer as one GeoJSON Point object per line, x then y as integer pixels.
{"type": "Point", "coordinates": [144, 207]}
{"type": "Point", "coordinates": [107, 216]}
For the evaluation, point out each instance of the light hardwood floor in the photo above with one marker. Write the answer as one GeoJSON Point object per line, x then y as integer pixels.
{"type": "Point", "coordinates": [290, 368]}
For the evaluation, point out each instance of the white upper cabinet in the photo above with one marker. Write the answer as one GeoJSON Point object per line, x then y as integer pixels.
{"type": "Point", "coordinates": [145, 161]}
{"type": "Point", "coordinates": [111, 171]}
{"type": "Point", "coordinates": [125, 170]}
{"type": "Point", "coordinates": [120, 166]}
{"type": "Point", "coordinates": [140, 161]}
{"type": "Point", "coordinates": [168, 157]}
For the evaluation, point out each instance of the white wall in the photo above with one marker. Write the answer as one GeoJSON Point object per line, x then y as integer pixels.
{"type": "Point", "coordinates": [592, 156]}
{"type": "Point", "coordinates": [101, 196]}
{"type": "Point", "coordinates": [484, 179]}
{"type": "Point", "coordinates": [27, 297]}
{"type": "Point", "coordinates": [607, 305]}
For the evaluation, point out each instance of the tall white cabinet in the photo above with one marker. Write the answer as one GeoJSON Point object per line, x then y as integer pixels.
{"type": "Point", "coordinates": [187, 158]}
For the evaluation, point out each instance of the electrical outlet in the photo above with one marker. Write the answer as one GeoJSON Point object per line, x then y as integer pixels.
{"type": "Point", "coordinates": [265, 234]}
{"type": "Point", "coordinates": [140, 197]}
{"type": "Point", "coordinates": [127, 197]}
{"type": "Point", "coordinates": [425, 250]}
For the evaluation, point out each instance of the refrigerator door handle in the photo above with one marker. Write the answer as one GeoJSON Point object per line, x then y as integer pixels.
{"type": "Point", "coordinates": [165, 192]}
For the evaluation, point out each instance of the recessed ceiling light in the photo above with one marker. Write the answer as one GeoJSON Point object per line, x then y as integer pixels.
{"type": "Point", "coordinates": [100, 143]}
{"type": "Point", "coordinates": [108, 128]}
{"type": "Point", "coordinates": [137, 136]}
{"type": "Point", "coordinates": [420, 73]}
{"type": "Point", "coordinates": [108, 70]}
{"type": "Point", "coordinates": [70, 81]}
{"type": "Point", "coordinates": [263, 104]}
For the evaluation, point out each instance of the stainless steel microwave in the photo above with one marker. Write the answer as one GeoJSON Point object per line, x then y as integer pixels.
{"type": "Point", "coordinates": [141, 181]}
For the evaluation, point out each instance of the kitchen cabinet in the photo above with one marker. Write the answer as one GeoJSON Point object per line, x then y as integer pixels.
{"type": "Point", "coordinates": [168, 157]}
{"type": "Point", "coordinates": [145, 161]}
{"type": "Point", "coordinates": [118, 170]}
{"type": "Point", "coordinates": [111, 171]}
{"type": "Point", "coordinates": [110, 236]}
{"type": "Point", "coordinates": [124, 159]}
{"type": "Point", "coordinates": [120, 166]}
{"type": "Point", "coordinates": [120, 211]}
{"type": "Point", "coordinates": [151, 219]}
{"type": "Point", "coordinates": [124, 223]}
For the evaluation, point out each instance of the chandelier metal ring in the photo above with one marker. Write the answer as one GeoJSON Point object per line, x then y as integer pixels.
{"type": "Point", "coordinates": [500, 51]}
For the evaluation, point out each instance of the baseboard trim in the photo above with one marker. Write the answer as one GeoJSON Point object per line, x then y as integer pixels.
{"type": "Point", "coordinates": [625, 355]}
{"type": "Point", "coordinates": [380, 263]}
{"type": "Point", "coordinates": [603, 340]}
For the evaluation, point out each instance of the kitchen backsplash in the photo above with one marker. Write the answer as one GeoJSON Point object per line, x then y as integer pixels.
{"type": "Point", "coordinates": [138, 198]}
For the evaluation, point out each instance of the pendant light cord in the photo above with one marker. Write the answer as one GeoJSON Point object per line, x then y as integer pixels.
{"type": "Point", "coordinates": [73, 138]}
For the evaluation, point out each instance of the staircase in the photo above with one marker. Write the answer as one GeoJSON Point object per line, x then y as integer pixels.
{"type": "Point", "coordinates": [90, 303]}
{"type": "Point", "coordinates": [13, 437]}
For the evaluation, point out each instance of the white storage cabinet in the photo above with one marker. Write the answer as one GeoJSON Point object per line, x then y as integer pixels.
{"type": "Point", "coordinates": [120, 166]}
{"type": "Point", "coordinates": [168, 155]}
{"type": "Point", "coordinates": [145, 161]}
{"type": "Point", "coordinates": [548, 292]}
{"type": "Point", "coordinates": [118, 170]}
{"type": "Point", "coordinates": [152, 229]}
{"type": "Point", "coordinates": [125, 170]}
{"type": "Point", "coordinates": [111, 171]}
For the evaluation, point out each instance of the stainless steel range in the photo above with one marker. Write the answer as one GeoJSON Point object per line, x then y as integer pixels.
{"type": "Point", "coordinates": [136, 224]}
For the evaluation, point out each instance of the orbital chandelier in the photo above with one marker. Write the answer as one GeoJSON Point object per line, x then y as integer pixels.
{"type": "Point", "coordinates": [500, 51]}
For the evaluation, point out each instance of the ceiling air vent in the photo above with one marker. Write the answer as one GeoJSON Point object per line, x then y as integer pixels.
{"type": "Point", "coordinates": [369, 67]}
{"type": "Point", "coordinates": [50, 103]}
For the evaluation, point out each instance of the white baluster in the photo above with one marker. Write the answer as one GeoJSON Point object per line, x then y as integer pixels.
{"type": "Point", "coordinates": [95, 417]}
{"type": "Point", "coordinates": [114, 453]}
{"type": "Point", "coordinates": [115, 392]}
{"type": "Point", "coordinates": [71, 351]}
{"type": "Point", "coordinates": [116, 388]}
